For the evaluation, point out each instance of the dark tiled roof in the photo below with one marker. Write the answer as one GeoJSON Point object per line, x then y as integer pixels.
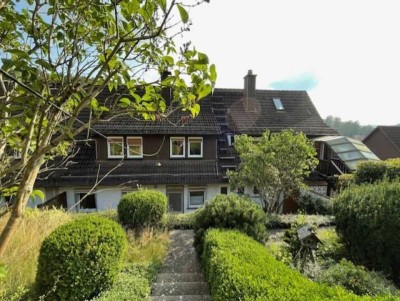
{"type": "Point", "coordinates": [142, 172]}
{"type": "Point", "coordinates": [300, 113]}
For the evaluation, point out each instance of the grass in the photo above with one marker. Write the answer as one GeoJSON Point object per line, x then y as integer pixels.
{"type": "Point", "coordinates": [20, 258]}
{"type": "Point", "coordinates": [144, 255]}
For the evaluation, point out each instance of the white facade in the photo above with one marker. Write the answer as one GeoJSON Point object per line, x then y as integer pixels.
{"type": "Point", "coordinates": [105, 198]}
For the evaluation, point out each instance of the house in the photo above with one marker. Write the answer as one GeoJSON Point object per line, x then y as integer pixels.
{"type": "Point", "coordinates": [185, 158]}
{"type": "Point", "coordinates": [384, 141]}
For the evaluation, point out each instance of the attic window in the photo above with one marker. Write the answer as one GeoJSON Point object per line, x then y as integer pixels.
{"type": "Point", "coordinates": [278, 104]}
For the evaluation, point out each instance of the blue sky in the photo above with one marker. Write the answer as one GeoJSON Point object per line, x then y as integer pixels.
{"type": "Point", "coordinates": [344, 53]}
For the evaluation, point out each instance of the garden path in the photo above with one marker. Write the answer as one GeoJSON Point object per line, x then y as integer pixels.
{"type": "Point", "coordinates": [180, 277]}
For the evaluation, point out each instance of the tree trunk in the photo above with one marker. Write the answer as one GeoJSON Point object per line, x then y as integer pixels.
{"type": "Point", "coordinates": [22, 197]}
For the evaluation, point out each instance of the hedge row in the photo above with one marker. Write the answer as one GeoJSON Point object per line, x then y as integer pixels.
{"type": "Point", "coordinates": [239, 268]}
{"type": "Point", "coordinates": [368, 218]}
{"type": "Point", "coordinates": [372, 171]}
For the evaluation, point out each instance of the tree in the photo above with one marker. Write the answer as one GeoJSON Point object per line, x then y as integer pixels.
{"type": "Point", "coordinates": [348, 128]}
{"type": "Point", "coordinates": [59, 55]}
{"type": "Point", "coordinates": [275, 163]}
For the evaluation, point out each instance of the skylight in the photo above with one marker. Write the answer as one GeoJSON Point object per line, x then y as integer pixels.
{"type": "Point", "coordinates": [278, 104]}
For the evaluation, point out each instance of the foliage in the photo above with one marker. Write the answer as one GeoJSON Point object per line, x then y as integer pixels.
{"type": "Point", "coordinates": [310, 203]}
{"type": "Point", "coordinates": [368, 218]}
{"type": "Point", "coordinates": [58, 57]}
{"type": "Point", "coordinates": [142, 208]}
{"type": "Point", "coordinates": [392, 168]}
{"type": "Point", "coordinates": [173, 221]}
{"type": "Point", "coordinates": [230, 212]}
{"type": "Point", "coordinates": [21, 256]}
{"type": "Point", "coordinates": [348, 128]}
{"type": "Point", "coordinates": [132, 283]}
{"type": "Point", "coordinates": [344, 181]}
{"type": "Point", "coordinates": [80, 259]}
{"type": "Point", "coordinates": [285, 221]}
{"type": "Point", "coordinates": [332, 249]}
{"type": "Point", "coordinates": [370, 172]}
{"type": "Point", "coordinates": [239, 268]}
{"type": "Point", "coordinates": [275, 164]}
{"type": "Point", "coordinates": [280, 251]}
{"type": "Point", "coordinates": [357, 279]}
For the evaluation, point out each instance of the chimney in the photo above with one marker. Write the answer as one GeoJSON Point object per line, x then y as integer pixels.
{"type": "Point", "coordinates": [166, 92]}
{"type": "Point", "coordinates": [250, 91]}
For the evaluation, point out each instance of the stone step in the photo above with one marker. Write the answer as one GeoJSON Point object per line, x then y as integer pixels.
{"type": "Point", "coordinates": [182, 298]}
{"type": "Point", "coordinates": [180, 277]}
{"type": "Point", "coordinates": [180, 288]}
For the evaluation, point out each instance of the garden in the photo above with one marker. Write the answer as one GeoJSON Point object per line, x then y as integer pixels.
{"type": "Point", "coordinates": [245, 253]}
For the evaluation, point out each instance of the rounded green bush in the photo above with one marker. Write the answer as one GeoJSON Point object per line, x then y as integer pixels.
{"type": "Point", "coordinates": [357, 279]}
{"type": "Point", "coordinates": [80, 259]}
{"type": "Point", "coordinates": [142, 208]}
{"type": "Point", "coordinates": [313, 204]}
{"type": "Point", "coordinates": [368, 218]}
{"type": "Point", "coordinates": [230, 212]}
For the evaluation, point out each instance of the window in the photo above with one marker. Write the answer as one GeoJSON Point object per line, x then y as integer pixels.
{"type": "Point", "coordinates": [195, 147]}
{"type": "Point", "coordinates": [177, 147]}
{"type": "Point", "coordinates": [87, 203]}
{"type": "Point", "coordinates": [224, 190]}
{"type": "Point", "coordinates": [278, 104]}
{"type": "Point", "coordinates": [135, 148]}
{"type": "Point", "coordinates": [231, 139]}
{"type": "Point", "coordinates": [196, 197]}
{"type": "Point", "coordinates": [115, 146]}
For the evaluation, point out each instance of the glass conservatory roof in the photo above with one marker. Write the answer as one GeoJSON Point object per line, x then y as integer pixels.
{"type": "Point", "coordinates": [350, 151]}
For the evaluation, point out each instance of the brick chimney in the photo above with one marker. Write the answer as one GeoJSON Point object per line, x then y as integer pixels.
{"type": "Point", "coordinates": [166, 93]}
{"type": "Point", "coordinates": [249, 91]}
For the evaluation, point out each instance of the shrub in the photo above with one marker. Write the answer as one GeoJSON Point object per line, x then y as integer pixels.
{"type": "Point", "coordinates": [239, 268]}
{"type": "Point", "coordinates": [393, 168]}
{"type": "Point", "coordinates": [310, 203]}
{"type": "Point", "coordinates": [332, 249]}
{"type": "Point", "coordinates": [369, 172]}
{"type": "Point", "coordinates": [80, 259]}
{"type": "Point", "coordinates": [142, 208]}
{"type": "Point", "coordinates": [357, 279]}
{"type": "Point", "coordinates": [173, 221]}
{"type": "Point", "coordinates": [368, 218]}
{"type": "Point", "coordinates": [344, 181]}
{"type": "Point", "coordinates": [230, 212]}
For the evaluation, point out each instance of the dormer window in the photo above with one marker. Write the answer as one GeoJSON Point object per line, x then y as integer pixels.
{"type": "Point", "coordinates": [115, 146]}
{"type": "Point", "coordinates": [278, 104]}
{"type": "Point", "coordinates": [195, 147]}
{"type": "Point", "coordinates": [177, 147]}
{"type": "Point", "coordinates": [135, 147]}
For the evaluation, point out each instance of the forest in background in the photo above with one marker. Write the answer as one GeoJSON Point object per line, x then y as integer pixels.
{"type": "Point", "coordinates": [349, 128]}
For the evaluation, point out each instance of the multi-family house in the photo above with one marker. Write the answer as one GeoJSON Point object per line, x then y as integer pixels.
{"type": "Point", "coordinates": [186, 158]}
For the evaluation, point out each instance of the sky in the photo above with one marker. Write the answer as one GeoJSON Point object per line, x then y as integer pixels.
{"type": "Point", "coordinates": [345, 53]}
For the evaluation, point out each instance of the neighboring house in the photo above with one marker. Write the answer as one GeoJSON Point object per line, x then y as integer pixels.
{"type": "Point", "coordinates": [384, 141]}
{"type": "Point", "coordinates": [185, 158]}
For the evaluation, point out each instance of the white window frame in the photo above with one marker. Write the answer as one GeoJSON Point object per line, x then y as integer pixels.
{"type": "Point", "coordinates": [138, 156]}
{"type": "Point", "coordinates": [112, 140]}
{"type": "Point", "coordinates": [78, 201]}
{"type": "Point", "coordinates": [197, 189]}
{"type": "Point", "coordinates": [201, 147]}
{"type": "Point", "coordinates": [171, 139]}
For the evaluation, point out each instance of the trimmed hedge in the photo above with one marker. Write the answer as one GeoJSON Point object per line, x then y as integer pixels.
{"type": "Point", "coordinates": [239, 268]}
{"type": "Point", "coordinates": [310, 203]}
{"type": "Point", "coordinates": [373, 171]}
{"type": "Point", "coordinates": [368, 218]}
{"type": "Point", "coordinates": [80, 259]}
{"type": "Point", "coordinates": [230, 212]}
{"type": "Point", "coordinates": [142, 208]}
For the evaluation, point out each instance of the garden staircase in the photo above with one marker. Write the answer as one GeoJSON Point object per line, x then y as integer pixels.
{"type": "Point", "coordinates": [180, 277]}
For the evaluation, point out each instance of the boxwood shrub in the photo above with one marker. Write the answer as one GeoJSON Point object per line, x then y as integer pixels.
{"type": "Point", "coordinates": [80, 259]}
{"type": "Point", "coordinates": [372, 171]}
{"type": "Point", "coordinates": [142, 208]}
{"type": "Point", "coordinates": [368, 218]}
{"type": "Point", "coordinates": [239, 268]}
{"type": "Point", "coordinates": [310, 203]}
{"type": "Point", "coordinates": [230, 212]}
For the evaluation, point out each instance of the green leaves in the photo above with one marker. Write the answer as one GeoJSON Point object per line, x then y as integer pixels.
{"type": "Point", "coordinates": [183, 13]}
